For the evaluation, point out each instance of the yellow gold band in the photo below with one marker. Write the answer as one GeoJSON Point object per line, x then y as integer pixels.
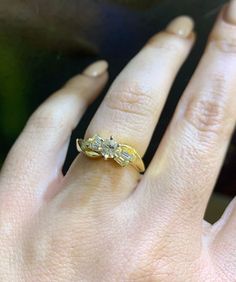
{"type": "Point", "coordinates": [97, 147]}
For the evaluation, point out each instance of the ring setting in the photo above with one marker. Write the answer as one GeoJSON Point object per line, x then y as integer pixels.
{"type": "Point", "coordinates": [97, 147]}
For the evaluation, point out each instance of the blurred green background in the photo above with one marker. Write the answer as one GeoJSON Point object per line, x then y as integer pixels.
{"type": "Point", "coordinates": [44, 43]}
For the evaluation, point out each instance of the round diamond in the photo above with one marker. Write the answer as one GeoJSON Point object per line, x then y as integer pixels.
{"type": "Point", "coordinates": [109, 147]}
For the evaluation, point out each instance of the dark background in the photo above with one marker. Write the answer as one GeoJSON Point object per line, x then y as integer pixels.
{"type": "Point", "coordinates": [44, 43]}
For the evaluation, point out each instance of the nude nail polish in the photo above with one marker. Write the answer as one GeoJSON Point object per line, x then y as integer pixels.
{"type": "Point", "coordinates": [96, 69]}
{"type": "Point", "coordinates": [230, 15]}
{"type": "Point", "coordinates": [181, 26]}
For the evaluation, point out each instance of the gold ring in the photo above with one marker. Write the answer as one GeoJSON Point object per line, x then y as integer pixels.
{"type": "Point", "coordinates": [97, 147]}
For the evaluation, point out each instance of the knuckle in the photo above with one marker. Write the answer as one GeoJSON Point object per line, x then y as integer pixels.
{"type": "Point", "coordinates": [207, 116]}
{"type": "Point", "coordinates": [46, 116]}
{"type": "Point", "coordinates": [131, 100]}
{"type": "Point", "coordinates": [209, 112]}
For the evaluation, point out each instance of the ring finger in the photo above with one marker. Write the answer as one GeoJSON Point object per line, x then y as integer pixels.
{"type": "Point", "coordinates": [131, 108]}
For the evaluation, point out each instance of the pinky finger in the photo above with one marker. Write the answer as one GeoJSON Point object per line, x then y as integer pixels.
{"type": "Point", "coordinates": [35, 161]}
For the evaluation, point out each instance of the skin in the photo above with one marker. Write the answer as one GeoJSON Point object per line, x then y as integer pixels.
{"type": "Point", "coordinates": [102, 222]}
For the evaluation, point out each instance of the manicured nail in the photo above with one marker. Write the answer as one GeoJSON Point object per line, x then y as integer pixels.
{"type": "Point", "coordinates": [96, 69]}
{"type": "Point", "coordinates": [230, 15]}
{"type": "Point", "coordinates": [182, 26]}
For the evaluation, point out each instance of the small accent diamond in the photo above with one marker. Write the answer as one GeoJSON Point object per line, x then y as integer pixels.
{"type": "Point", "coordinates": [126, 156]}
{"type": "Point", "coordinates": [96, 143]}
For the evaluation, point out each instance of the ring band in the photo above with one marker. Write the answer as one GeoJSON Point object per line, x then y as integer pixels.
{"type": "Point", "coordinates": [97, 147]}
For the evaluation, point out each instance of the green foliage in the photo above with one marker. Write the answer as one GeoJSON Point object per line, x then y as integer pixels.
{"type": "Point", "coordinates": [13, 83]}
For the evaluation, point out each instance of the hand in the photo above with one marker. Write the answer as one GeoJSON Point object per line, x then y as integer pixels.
{"type": "Point", "coordinates": [102, 222]}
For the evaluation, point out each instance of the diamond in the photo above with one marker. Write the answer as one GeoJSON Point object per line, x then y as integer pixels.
{"type": "Point", "coordinates": [96, 143]}
{"type": "Point", "coordinates": [126, 156]}
{"type": "Point", "coordinates": [109, 147]}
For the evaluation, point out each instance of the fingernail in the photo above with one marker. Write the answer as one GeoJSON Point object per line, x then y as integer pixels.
{"type": "Point", "coordinates": [182, 26]}
{"type": "Point", "coordinates": [96, 69]}
{"type": "Point", "coordinates": [230, 15]}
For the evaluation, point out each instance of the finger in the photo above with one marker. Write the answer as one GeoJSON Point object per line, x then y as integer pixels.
{"type": "Point", "coordinates": [35, 161]}
{"type": "Point", "coordinates": [187, 163]}
{"type": "Point", "coordinates": [224, 244]}
{"type": "Point", "coordinates": [134, 102]}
